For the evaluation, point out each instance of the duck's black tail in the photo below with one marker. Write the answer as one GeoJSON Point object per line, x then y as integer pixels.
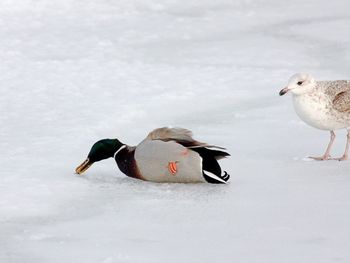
{"type": "Point", "coordinates": [215, 179]}
{"type": "Point", "coordinates": [211, 168]}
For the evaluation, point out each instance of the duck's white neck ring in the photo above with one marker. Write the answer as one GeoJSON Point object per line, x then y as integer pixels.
{"type": "Point", "coordinates": [121, 148]}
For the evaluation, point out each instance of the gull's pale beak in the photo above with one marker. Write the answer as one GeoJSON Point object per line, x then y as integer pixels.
{"type": "Point", "coordinates": [284, 91]}
{"type": "Point", "coordinates": [84, 166]}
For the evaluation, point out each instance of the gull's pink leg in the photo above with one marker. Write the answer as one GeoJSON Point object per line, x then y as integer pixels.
{"type": "Point", "coordinates": [345, 155]}
{"type": "Point", "coordinates": [326, 155]}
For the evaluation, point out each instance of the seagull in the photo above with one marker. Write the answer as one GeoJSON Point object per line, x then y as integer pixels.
{"type": "Point", "coordinates": [322, 104]}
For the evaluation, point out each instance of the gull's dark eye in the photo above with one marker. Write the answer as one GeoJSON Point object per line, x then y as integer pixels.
{"type": "Point", "coordinates": [299, 83]}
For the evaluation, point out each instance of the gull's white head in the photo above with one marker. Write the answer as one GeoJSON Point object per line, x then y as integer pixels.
{"type": "Point", "coordinates": [299, 84]}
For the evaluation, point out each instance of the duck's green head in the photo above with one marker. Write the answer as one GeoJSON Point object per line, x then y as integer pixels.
{"type": "Point", "coordinates": [101, 150]}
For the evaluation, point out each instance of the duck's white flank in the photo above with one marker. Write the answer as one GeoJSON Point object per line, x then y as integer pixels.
{"type": "Point", "coordinates": [169, 162]}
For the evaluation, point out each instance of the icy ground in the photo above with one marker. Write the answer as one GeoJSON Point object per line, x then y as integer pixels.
{"type": "Point", "coordinates": [73, 72]}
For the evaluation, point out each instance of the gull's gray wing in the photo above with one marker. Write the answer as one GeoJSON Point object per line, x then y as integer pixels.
{"type": "Point", "coordinates": [339, 93]}
{"type": "Point", "coordinates": [341, 101]}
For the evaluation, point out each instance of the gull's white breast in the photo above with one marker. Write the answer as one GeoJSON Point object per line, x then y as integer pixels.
{"type": "Point", "coordinates": [316, 110]}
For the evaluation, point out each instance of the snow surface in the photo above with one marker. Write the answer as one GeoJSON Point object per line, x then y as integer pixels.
{"type": "Point", "coordinates": [73, 72]}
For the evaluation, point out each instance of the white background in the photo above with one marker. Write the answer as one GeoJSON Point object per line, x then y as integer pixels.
{"type": "Point", "coordinates": [73, 72]}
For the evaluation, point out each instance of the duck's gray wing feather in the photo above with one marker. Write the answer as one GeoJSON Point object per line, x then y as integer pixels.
{"type": "Point", "coordinates": [180, 135]}
{"type": "Point", "coordinates": [184, 137]}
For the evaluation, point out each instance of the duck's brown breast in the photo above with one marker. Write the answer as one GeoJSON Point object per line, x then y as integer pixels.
{"type": "Point", "coordinates": [125, 160]}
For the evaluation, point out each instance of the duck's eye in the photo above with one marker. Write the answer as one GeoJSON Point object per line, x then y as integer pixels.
{"type": "Point", "coordinates": [299, 83]}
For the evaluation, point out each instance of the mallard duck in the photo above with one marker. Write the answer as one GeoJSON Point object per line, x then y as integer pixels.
{"type": "Point", "coordinates": [166, 155]}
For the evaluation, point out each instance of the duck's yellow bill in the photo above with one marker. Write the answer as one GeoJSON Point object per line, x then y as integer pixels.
{"type": "Point", "coordinates": [83, 167]}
